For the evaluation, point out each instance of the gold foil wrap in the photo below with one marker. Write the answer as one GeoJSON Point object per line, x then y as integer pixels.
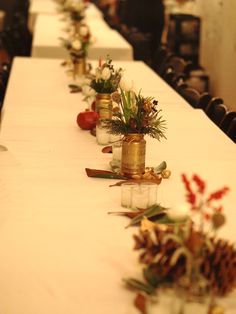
{"type": "Point", "coordinates": [104, 106]}
{"type": "Point", "coordinates": [80, 67]}
{"type": "Point", "coordinates": [133, 155]}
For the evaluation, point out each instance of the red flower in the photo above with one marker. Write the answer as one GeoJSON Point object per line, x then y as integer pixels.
{"type": "Point", "coordinates": [191, 196]}
{"type": "Point", "coordinates": [200, 184]}
{"type": "Point", "coordinates": [218, 194]}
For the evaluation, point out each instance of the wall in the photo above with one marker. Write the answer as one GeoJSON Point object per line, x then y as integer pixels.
{"type": "Point", "coordinates": [218, 46]}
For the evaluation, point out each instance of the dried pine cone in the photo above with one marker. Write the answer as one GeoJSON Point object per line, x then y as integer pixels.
{"type": "Point", "coordinates": [219, 267]}
{"type": "Point", "coordinates": [158, 255]}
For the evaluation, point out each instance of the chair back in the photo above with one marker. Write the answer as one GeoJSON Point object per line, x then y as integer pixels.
{"type": "Point", "coordinates": [232, 130]}
{"type": "Point", "coordinates": [218, 113]}
{"type": "Point", "coordinates": [225, 123]}
{"type": "Point", "coordinates": [215, 101]}
{"type": "Point", "coordinates": [191, 95]}
{"type": "Point", "coordinates": [204, 101]}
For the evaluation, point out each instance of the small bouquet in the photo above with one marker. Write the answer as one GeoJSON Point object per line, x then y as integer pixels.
{"type": "Point", "coordinates": [187, 257]}
{"type": "Point", "coordinates": [136, 114]}
{"type": "Point", "coordinates": [78, 44]}
{"type": "Point", "coordinates": [75, 9]}
{"type": "Point", "coordinates": [106, 79]}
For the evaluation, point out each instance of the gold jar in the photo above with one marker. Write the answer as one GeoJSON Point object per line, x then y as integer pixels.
{"type": "Point", "coordinates": [77, 26]}
{"type": "Point", "coordinates": [133, 154]}
{"type": "Point", "coordinates": [104, 106]}
{"type": "Point", "coordinates": [79, 67]}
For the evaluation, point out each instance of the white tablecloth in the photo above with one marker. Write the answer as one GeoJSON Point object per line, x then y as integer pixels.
{"type": "Point", "coordinates": [49, 7]}
{"type": "Point", "coordinates": [60, 251]}
{"type": "Point", "coordinates": [49, 28]}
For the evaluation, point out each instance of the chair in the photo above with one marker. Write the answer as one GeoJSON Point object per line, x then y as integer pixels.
{"type": "Point", "coordinates": [218, 113]}
{"type": "Point", "coordinates": [232, 130]}
{"type": "Point", "coordinates": [191, 95]}
{"type": "Point", "coordinates": [160, 58]}
{"type": "Point", "coordinates": [179, 65]}
{"type": "Point", "coordinates": [204, 101]}
{"type": "Point", "coordinates": [225, 123]}
{"type": "Point", "coordinates": [215, 101]}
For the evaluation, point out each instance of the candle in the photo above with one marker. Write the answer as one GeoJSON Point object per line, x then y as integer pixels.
{"type": "Point", "coordinates": [126, 193]}
{"type": "Point", "coordinates": [140, 197]}
{"type": "Point", "coordinates": [116, 151]}
{"type": "Point", "coordinates": [102, 135]}
{"type": "Point", "coordinates": [152, 192]}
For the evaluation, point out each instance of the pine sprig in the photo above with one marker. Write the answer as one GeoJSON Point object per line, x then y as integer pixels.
{"type": "Point", "coordinates": [137, 114]}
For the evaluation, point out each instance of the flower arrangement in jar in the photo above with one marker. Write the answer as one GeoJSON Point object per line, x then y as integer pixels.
{"type": "Point", "coordinates": [105, 81]}
{"type": "Point", "coordinates": [135, 117]}
{"type": "Point", "coordinates": [75, 9]}
{"type": "Point", "coordinates": [77, 45]}
{"type": "Point", "coordinates": [106, 78]}
{"type": "Point", "coordinates": [184, 258]}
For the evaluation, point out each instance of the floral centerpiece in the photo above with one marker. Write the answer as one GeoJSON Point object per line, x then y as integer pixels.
{"type": "Point", "coordinates": [77, 45]}
{"type": "Point", "coordinates": [187, 258]}
{"type": "Point", "coordinates": [75, 9]}
{"type": "Point", "coordinates": [105, 81]}
{"type": "Point", "coordinates": [135, 117]}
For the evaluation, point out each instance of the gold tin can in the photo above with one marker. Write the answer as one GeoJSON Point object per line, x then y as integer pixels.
{"type": "Point", "coordinates": [104, 106]}
{"type": "Point", "coordinates": [80, 67]}
{"type": "Point", "coordinates": [133, 155]}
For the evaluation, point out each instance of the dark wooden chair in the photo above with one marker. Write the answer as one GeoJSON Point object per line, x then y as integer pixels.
{"type": "Point", "coordinates": [191, 95]}
{"type": "Point", "coordinates": [218, 113]}
{"type": "Point", "coordinates": [215, 101]}
{"type": "Point", "coordinates": [179, 65]}
{"type": "Point", "coordinates": [204, 101]}
{"type": "Point", "coordinates": [160, 59]}
{"type": "Point", "coordinates": [195, 99]}
{"type": "Point", "coordinates": [225, 123]}
{"type": "Point", "coordinates": [232, 130]}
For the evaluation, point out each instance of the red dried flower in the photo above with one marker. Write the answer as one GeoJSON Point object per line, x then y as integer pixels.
{"type": "Point", "coordinates": [191, 196]}
{"type": "Point", "coordinates": [218, 194]}
{"type": "Point", "coordinates": [200, 184]}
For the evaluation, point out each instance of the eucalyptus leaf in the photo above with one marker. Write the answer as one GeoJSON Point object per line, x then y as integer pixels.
{"type": "Point", "coordinates": [139, 285]}
{"type": "Point", "coordinates": [150, 212]}
{"type": "Point", "coordinates": [169, 221]}
{"type": "Point", "coordinates": [161, 167]}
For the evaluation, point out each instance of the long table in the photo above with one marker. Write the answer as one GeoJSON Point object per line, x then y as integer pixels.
{"type": "Point", "coordinates": [49, 28]}
{"type": "Point", "coordinates": [38, 7]}
{"type": "Point", "coordinates": [60, 250]}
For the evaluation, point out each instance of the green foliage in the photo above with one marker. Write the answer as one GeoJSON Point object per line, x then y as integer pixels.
{"type": "Point", "coordinates": [137, 114]}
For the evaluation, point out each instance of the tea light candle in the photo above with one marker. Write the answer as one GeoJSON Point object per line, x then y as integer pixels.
{"type": "Point", "coordinates": [116, 151]}
{"type": "Point", "coordinates": [102, 135]}
{"type": "Point", "coordinates": [126, 193]}
{"type": "Point", "coordinates": [140, 197]}
{"type": "Point", "coordinates": [152, 192]}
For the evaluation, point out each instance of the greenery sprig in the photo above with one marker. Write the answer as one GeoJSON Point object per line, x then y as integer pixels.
{"type": "Point", "coordinates": [136, 114]}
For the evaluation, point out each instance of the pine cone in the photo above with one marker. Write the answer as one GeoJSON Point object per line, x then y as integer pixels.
{"type": "Point", "coordinates": [152, 247]}
{"type": "Point", "coordinates": [219, 267]}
